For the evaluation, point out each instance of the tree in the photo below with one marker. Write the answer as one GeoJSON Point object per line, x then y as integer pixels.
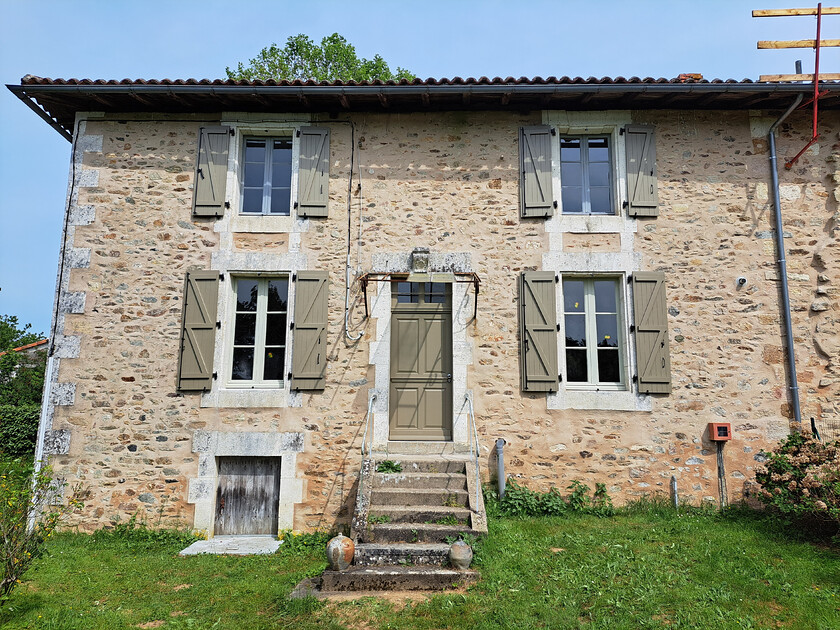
{"type": "Point", "coordinates": [21, 385]}
{"type": "Point", "coordinates": [301, 58]}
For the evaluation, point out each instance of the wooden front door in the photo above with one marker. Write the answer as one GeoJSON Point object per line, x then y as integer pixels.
{"type": "Point", "coordinates": [421, 361]}
{"type": "Point", "coordinates": [248, 496]}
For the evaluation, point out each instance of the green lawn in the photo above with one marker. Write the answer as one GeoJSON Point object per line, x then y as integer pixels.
{"type": "Point", "coordinates": [640, 569]}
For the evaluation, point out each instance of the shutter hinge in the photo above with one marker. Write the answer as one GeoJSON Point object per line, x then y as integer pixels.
{"type": "Point", "coordinates": [555, 203]}
{"type": "Point", "coordinates": [629, 278]}
{"type": "Point", "coordinates": [291, 325]}
{"type": "Point", "coordinates": [296, 205]}
{"type": "Point", "coordinates": [632, 328]}
{"type": "Point", "coordinates": [625, 205]}
{"type": "Point", "coordinates": [289, 376]}
{"type": "Point", "coordinates": [621, 131]}
{"type": "Point", "coordinates": [556, 278]}
{"type": "Point", "coordinates": [222, 277]}
{"type": "Point", "coordinates": [297, 133]}
{"type": "Point", "coordinates": [219, 325]}
{"type": "Point", "coordinates": [560, 377]}
{"type": "Point", "coordinates": [635, 378]}
{"type": "Point", "coordinates": [232, 131]}
{"type": "Point", "coordinates": [227, 205]}
{"type": "Point", "coordinates": [558, 327]}
{"type": "Point", "coordinates": [200, 173]}
{"type": "Point", "coordinates": [215, 375]}
{"type": "Point", "coordinates": [553, 131]}
{"type": "Point", "coordinates": [294, 277]}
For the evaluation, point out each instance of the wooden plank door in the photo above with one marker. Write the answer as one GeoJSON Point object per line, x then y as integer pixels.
{"type": "Point", "coordinates": [247, 496]}
{"type": "Point", "coordinates": [421, 361]}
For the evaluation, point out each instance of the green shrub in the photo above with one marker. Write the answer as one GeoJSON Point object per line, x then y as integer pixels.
{"type": "Point", "coordinates": [138, 535]}
{"type": "Point", "coordinates": [301, 543]}
{"type": "Point", "coordinates": [522, 501]}
{"type": "Point", "coordinates": [18, 429]}
{"type": "Point", "coordinates": [30, 510]}
{"type": "Point", "coordinates": [801, 478]}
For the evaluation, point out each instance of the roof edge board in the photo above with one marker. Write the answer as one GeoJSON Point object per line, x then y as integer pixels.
{"type": "Point", "coordinates": [31, 103]}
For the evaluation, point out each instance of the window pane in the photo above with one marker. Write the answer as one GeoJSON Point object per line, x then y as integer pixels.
{"type": "Point", "coordinates": [280, 198]}
{"type": "Point", "coordinates": [599, 199]}
{"type": "Point", "coordinates": [571, 174]}
{"type": "Point", "coordinates": [275, 329]}
{"type": "Point", "coordinates": [245, 329]}
{"type": "Point", "coordinates": [576, 366]}
{"type": "Point", "coordinates": [252, 200]}
{"type": "Point", "coordinates": [608, 371]}
{"type": "Point", "coordinates": [607, 331]}
{"type": "Point", "coordinates": [598, 151]}
{"type": "Point", "coordinates": [281, 174]}
{"type": "Point", "coordinates": [599, 174]}
{"type": "Point", "coordinates": [605, 296]}
{"type": "Point", "coordinates": [273, 365]}
{"type": "Point", "coordinates": [277, 293]}
{"type": "Point", "coordinates": [407, 292]}
{"type": "Point", "coordinates": [575, 331]}
{"type": "Point", "coordinates": [569, 150]}
{"type": "Point", "coordinates": [573, 296]}
{"type": "Point", "coordinates": [243, 364]}
{"type": "Point", "coordinates": [246, 295]}
{"type": "Point", "coordinates": [254, 174]}
{"type": "Point", "coordinates": [255, 150]}
{"type": "Point", "coordinates": [572, 199]}
{"type": "Point", "coordinates": [282, 151]}
{"type": "Point", "coordinates": [435, 293]}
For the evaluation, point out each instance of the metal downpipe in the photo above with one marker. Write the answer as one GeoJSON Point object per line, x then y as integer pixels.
{"type": "Point", "coordinates": [780, 248]}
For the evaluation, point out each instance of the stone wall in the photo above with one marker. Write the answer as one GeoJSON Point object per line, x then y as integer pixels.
{"type": "Point", "coordinates": [449, 182]}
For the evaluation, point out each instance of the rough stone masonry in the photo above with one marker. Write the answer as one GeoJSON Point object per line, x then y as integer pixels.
{"type": "Point", "coordinates": [449, 182]}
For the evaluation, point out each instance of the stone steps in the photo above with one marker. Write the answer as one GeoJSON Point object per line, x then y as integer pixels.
{"type": "Point", "coordinates": [390, 554]}
{"type": "Point", "coordinates": [416, 532]}
{"type": "Point", "coordinates": [423, 480]}
{"type": "Point", "coordinates": [421, 513]}
{"type": "Point", "coordinates": [399, 578]}
{"type": "Point", "coordinates": [418, 496]}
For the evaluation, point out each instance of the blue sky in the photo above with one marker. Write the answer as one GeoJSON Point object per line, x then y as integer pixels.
{"type": "Point", "coordinates": [116, 39]}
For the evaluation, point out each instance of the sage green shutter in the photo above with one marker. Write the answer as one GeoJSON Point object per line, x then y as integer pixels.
{"type": "Point", "coordinates": [535, 193]}
{"type": "Point", "coordinates": [309, 341]}
{"type": "Point", "coordinates": [538, 331]}
{"type": "Point", "coordinates": [211, 171]}
{"type": "Point", "coordinates": [314, 172]}
{"type": "Point", "coordinates": [642, 193]}
{"type": "Point", "coordinates": [653, 360]}
{"type": "Point", "coordinates": [198, 330]}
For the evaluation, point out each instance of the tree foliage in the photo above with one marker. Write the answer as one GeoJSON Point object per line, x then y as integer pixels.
{"type": "Point", "coordinates": [335, 59]}
{"type": "Point", "coordinates": [21, 373]}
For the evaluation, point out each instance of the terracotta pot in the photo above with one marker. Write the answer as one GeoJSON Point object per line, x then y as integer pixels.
{"type": "Point", "coordinates": [340, 552]}
{"type": "Point", "coordinates": [460, 555]}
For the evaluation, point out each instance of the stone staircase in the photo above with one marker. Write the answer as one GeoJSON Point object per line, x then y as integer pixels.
{"type": "Point", "coordinates": [405, 522]}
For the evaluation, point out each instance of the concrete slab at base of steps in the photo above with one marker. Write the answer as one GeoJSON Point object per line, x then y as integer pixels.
{"type": "Point", "coordinates": [370, 580]}
{"type": "Point", "coordinates": [393, 554]}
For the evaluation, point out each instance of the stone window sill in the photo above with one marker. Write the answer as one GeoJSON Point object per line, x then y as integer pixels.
{"type": "Point", "coordinates": [599, 400]}
{"type": "Point", "coordinates": [244, 398]}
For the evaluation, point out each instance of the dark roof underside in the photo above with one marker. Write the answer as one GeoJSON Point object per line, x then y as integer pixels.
{"type": "Point", "coordinates": [60, 99]}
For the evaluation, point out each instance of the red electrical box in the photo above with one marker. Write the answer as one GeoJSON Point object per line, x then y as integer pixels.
{"type": "Point", "coordinates": [720, 431]}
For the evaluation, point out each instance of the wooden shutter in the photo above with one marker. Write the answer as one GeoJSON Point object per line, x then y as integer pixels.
{"type": "Point", "coordinates": [198, 330]}
{"type": "Point", "coordinates": [642, 193]}
{"type": "Point", "coordinates": [653, 360]}
{"type": "Point", "coordinates": [538, 331]}
{"type": "Point", "coordinates": [535, 193]}
{"type": "Point", "coordinates": [211, 171]}
{"type": "Point", "coordinates": [309, 345]}
{"type": "Point", "coordinates": [314, 172]}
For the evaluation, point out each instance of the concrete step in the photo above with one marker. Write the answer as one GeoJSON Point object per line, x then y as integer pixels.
{"type": "Point", "coordinates": [444, 498]}
{"type": "Point", "coordinates": [420, 513]}
{"type": "Point", "coordinates": [375, 554]}
{"type": "Point", "coordinates": [400, 578]}
{"type": "Point", "coordinates": [426, 480]}
{"type": "Point", "coordinates": [416, 532]}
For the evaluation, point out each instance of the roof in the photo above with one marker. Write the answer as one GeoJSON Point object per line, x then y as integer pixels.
{"type": "Point", "coordinates": [58, 100]}
{"type": "Point", "coordinates": [28, 346]}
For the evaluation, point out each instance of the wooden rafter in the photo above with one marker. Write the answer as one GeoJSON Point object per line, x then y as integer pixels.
{"type": "Point", "coordinates": [789, 12]}
{"type": "Point", "coordinates": [798, 43]}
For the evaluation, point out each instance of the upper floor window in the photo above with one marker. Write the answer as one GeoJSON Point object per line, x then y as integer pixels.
{"type": "Point", "coordinates": [586, 175]}
{"type": "Point", "coordinates": [267, 176]}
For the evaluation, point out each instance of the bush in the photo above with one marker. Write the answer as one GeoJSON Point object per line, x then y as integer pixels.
{"type": "Point", "coordinates": [18, 429]}
{"type": "Point", "coordinates": [801, 478]}
{"type": "Point", "coordinates": [138, 535]}
{"type": "Point", "coordinates": [29, 513]}
{"type": "Point", "coordinates": [522, 501]}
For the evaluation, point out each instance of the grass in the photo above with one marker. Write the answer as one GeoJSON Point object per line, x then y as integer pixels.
{"type": "Point", "coordinates": [644, 568]}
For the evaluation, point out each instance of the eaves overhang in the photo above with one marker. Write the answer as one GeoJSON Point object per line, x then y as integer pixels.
{"type": "Point", "coordinates": [57, 101]}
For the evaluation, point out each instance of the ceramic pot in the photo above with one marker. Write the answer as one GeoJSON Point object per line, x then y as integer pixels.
{"type": "Point", "coordinates": [460, 555]}
{"type": "Point", "coordinates": [340, 552]}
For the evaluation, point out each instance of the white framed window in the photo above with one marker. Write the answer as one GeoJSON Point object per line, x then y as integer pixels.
{"type": "Point", "coordinates": [594, 346]}
{"type": "Point", "coordinates": [586, 175]}
{"type": "Point", "coordinates": [266, 175]}
{"type": "Point", "coordinates": [257, 357]}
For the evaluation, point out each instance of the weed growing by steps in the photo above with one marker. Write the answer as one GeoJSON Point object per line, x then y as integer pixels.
{"type": "Point", "coordinates": [522, 501]}
{"type": "Point", "coordinates": [379, 519]}
{"type": "Point", "coordinates": [388, 466]}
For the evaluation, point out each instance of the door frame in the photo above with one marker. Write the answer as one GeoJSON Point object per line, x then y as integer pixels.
{"type": "Point", "coordinates": [379, 296]}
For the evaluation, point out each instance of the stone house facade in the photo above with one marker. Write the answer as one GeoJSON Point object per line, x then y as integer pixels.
{"type": "Point", "coordinates": [256, 277]}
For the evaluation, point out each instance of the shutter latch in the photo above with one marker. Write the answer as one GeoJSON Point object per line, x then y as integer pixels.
{"type": "Point", "coordinates": [219, 325]}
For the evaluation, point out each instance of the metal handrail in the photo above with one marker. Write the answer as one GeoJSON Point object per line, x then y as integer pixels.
{"type": "Point", "coordinates": [474, 451]}
{"type": "Point", "coordinates": [367, 426]}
